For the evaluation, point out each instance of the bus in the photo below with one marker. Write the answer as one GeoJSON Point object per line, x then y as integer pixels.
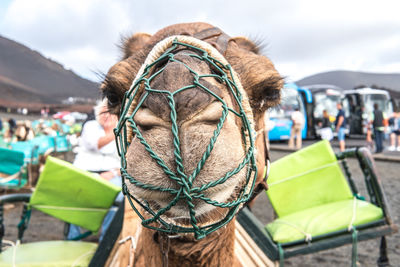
{"type": "Point", "coordinates": [324, 96]}
{"type": "Point", "coordinates": [280, 123]}
{"type": "Point", "coordinates": [358, 105]}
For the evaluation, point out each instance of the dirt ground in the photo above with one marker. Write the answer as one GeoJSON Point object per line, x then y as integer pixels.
{"type": "Point", "coordinates": [43, 227]}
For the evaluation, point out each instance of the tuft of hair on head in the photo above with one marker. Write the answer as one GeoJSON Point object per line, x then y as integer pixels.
{"type": "Point", "coordinates": [133, 43]}
{"type": "Point", "coordinates": [260, 44]}
{"type": "Point", "coordinates": [247, 44]}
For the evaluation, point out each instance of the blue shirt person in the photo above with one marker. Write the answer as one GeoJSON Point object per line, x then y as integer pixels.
{"type": "Point", "coordinates": [340, 126]}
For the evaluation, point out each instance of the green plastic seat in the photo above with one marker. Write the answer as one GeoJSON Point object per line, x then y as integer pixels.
{"type": "Point", "coordinates": [29, 149]}
{"type": "Point", "coordinates": [323, 219]}
{"type": "Point", "coordinates": [62, 144]}
{"type": "Point", "coordinates": [74, 196]}
{"type": "Point", "coordinates": [12, 164]}
{"type": "Point", "coordinates": [317, 189]}
{"type": "Point", "coordinates": [314, 178]}
{"type": "Point", "coordinates": [318, 205]}
{"type": "Point", "coordinates": [45, 143]}
{"type": "Point", "coordinates": [11, 161]}
{"type": "Point", "coordinates": [58, 253]}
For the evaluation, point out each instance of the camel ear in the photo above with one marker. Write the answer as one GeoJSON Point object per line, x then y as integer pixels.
{"type": "Point", "coordinates": [258, 75]}
{"type": "Point", "coordinates": [134, 43]}
{"type": "Point", "coordinates": [246, 44]}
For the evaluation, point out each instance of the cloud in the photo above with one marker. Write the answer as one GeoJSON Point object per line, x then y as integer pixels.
{"type": "Point", "coordinates": [82, 35]}
{"type": "Point", "coordinates": [304, 37]}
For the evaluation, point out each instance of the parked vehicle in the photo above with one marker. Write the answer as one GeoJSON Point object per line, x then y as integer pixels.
{"type": "Point", "coordinates": [358, 105]}
{"type": "Point", "coordinates": [280, 122]}
{"type": "Point", "coordinates": [324, 96]}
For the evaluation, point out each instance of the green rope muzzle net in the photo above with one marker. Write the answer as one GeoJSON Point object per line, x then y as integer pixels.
{"type": "Point", "coordinates": [127, 129]}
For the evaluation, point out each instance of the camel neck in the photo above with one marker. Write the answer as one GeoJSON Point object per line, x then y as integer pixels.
{"type": "Point", "coordinates": [216, 249]}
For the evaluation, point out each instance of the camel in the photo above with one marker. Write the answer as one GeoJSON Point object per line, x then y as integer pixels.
{"type": "Point", "coordinates": [197, 115]}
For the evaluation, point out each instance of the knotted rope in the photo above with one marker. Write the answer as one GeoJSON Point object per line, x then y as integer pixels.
{"type": "Point", "coordinates": [127, 129]}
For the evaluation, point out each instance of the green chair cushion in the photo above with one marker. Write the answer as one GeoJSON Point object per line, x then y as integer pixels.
{"type": "Point", "coordinates": [44, 143]}
{"type": "Point", "coordinates": [50, 253]}
{"type": "Point", "coordinates": [11, 161]}
{"type": "Point", "coordinates": [322, 219]}
{"type": "Point", "coordinates": [73, 195]}
{"type": "Point", "coordinates": [28, 148]}
{"type": "Point", "coordinates": [307, 178]}
{"type": "Point", "coordinates": [62, 144]}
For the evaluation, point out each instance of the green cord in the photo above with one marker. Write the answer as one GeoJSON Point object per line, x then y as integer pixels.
{"type": "Point", "coordinates": [354, 256]}
{"type": "Point", "coordinates": [281, 255]}
{"type": "Point", "coordinates": [186, 191]}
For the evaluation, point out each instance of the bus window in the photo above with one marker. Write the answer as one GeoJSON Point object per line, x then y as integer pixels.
{"type": "Point", "coordinates": [325, 101]}
{"type": "Point", "coordinates": [390, 108]}
{"type": "Point", "coordinates": [290, 101]}
{"type": "Point", "coordinates": [280, 122]}
{"type": "Point", "coordinates": [380, 99]}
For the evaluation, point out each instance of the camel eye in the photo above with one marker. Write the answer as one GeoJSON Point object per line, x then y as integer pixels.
{"type": "Point", "coordinates": [146, 120]}
{"type": "Point", "coordinates": [144, 128]}
{"type": "Point", "coordinates": [112, 98]}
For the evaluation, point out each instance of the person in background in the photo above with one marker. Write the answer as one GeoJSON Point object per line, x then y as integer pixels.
{"type": "Point", "coordinates": [377, 122]}
{"type": "Point", "coordinates": [10, 131]}
{"type": "Point", "coordinates": [340, 126]}
{"type": "Point", "coordinates": [53, 130]}
{"type": "Point", "coordinates": [298, 123]}
{"type": "Point", "coordinates": [12, 124]}
{"type": "Point", "coordinates": [368, 139]}
{"type": "Point", "coordinates": [23, 131]}
{"type": "Point", "coordinates": [98, 153]}
{"type": "Point", "coordinates": [395, 134]}
{"type": "Point", "coordinates": [326, 126]}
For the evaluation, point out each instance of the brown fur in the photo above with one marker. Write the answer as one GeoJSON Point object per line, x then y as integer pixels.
{"type": "Point", "coordinates": [214, 250]}
{"type": "Point", "coordinates": [134, 43]}
{"type": "Point", "coordinates": [257, 74]}
{"type": "Point", "coordinates": [197, 119]}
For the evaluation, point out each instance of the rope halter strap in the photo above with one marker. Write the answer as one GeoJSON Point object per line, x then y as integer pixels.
{"type": "Point", "coordinates": [127, 130]}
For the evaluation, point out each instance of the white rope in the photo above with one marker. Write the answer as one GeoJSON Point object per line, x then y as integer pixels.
{"type": "Point", "coordinates": [68, 208]}
{"type": "Point", "coordinates": [14, 247]}
{"type": "Point", "coordinates": [9, 178]}
{"type": "Point", "coordinates": [354, 214]}
{"type": "Point", "coordinates": [133, 240]}
{"type": "Point", "coordinates": [268, 168]}
{"type": "Point", "coordinates": [76, 262]}
{"type": "Point", "coordinates": [303, 173]}
{"type": "Point", "coordinates": [132, 248]}
{"type": "Point", "coordinates": [307, 235]}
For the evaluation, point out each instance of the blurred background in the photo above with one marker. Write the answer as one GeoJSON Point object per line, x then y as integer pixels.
{"type": "Point", "coordinates": [54, 55]}
{"type": "Point", "coordinates": [53, 51]}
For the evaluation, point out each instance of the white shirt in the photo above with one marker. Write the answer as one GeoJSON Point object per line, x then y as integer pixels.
{"type": "Point", "coordinates": [297, 118]}
{"type": "Point", "coordinates": [89, 156]}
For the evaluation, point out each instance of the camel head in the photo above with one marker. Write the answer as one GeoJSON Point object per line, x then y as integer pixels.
{"type": "Point", "coordinates": [190, 100]}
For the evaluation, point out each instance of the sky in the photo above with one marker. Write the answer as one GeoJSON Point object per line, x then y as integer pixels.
{"type": "Point", "coordinates": [301, 38]}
